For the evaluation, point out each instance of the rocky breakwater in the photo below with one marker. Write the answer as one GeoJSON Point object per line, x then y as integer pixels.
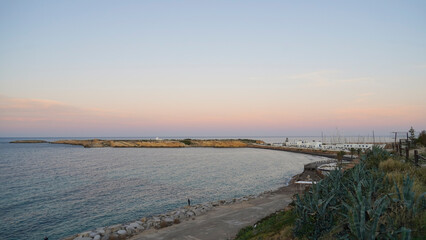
{"type": "Point", "coordinates": [29, 141]}
{"type": "Point", "coordinates": [125, 231]}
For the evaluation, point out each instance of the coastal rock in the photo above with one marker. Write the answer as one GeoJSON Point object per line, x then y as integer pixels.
{"type": "Point", "coordinates": [105, 237]}
{"type": "Point", "coordinates": [190, 214]}
{"type": "Point", "coordinates": [83, 238]}
{"type": "Point", "coordinates": [70, 238]}
{"type": "Point", "coordinates": [115, 228]}
{"type": "Point", "coordinates": [84, 234]}
{"type": "Point", "coordinates": [135, 225]}
{"type": "Point", "coordinates": [179, 215]}
{"type": "Point", "coordinates": [130, 230]}
{"type": "Point", "coordinates": [100, 231]}
{"type": "Point", "coordinates": [93, 234]}
{"type": "Point", "coordinates": [197, 212]}
{"type": "Point", "coordinates": [121, 232]}
{"type": "Point", "coordinates": [169, 221]}
{"type": "Point", "coordinates": [97, 237]}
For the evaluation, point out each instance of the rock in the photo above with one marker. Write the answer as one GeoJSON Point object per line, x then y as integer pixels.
{"type": "Point", "coordinates": [130, 230]}
{"type": "Point", "coordinates": [105, 237]}
{"type": "Point", "coordinates": [70, 238]}
{"type": "Point", "coordinates": [189, 214]}
{"type": "Point", "coordinates": [84, 234]}
{"type": "Point", "coordinates": [134, 225]}
{"type": "Point", "coordinates": [169, 221]}
{"type": "Point", "coordinates": [93, 234]}
{"type": "Point", "coordinates": [143, 219]}
{"type": "Point", "coordinates": [115, 228]}
{"type": "Point", "coordinates": [100, 231]}
{"type": "Point", "coordinates": [121, 232]}
{"type": "Point", "coordinates": [83, 238]}
{"type": "Point", "coordinates": [97, 237]}
{"type": "Point", "coordinates": [197, 212]}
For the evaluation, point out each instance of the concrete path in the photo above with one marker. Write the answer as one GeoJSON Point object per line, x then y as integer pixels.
{"type": "Point", "coordinates": [223, 222]}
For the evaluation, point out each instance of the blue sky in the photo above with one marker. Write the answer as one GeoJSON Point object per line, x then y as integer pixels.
{"type": "Point", "coordinates": [239, 59]}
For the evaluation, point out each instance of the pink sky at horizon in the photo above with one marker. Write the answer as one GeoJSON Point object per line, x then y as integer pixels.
{"type": "Point", "coordinates": [40, 117]}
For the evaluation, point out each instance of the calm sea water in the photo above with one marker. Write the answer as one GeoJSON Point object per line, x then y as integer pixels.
{"type": "Point", "coordinates": [59, 190]}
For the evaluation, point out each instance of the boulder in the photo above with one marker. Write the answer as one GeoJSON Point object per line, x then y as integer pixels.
{"type": "Point", "coordinates": [97, 237]}
{"type": "Point", "coordinates": [121, 232]}
{"type": "Point", "coordinates": [100, 231]}
{"type": "Point", "coordinates": [115, 228]}
{"type": "Point", "coordinates": [83, 238]}
{"type": "Point", "coordinates": [130, 230]}
{"type": "Point", "coordinates": [169, 221]}
{"type": "Point", "coordinates": [70, 238]}
{"type": "Point", "coordinates": [197, 212]}
{"type": "Point", "coordinates": [105, 237]}
{"type": "Point", "coordinates": [84, 234]}
{"type": "Point", "coordinates": [134, 225]}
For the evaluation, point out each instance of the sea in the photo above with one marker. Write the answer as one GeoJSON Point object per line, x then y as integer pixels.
{"type": "Point", "coordinates": [57, 190]}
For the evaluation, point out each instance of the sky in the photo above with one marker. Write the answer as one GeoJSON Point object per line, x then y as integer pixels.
{"type": "Point", "coordinates": [211, 68]}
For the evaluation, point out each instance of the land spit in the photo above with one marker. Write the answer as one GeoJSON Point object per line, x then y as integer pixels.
{"type": "Point", "coordinates": [169, 143]}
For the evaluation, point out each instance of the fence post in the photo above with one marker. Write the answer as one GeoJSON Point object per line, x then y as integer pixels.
{"type": "Point", "coordinates": [416, 157]}
{"type": "Point", "coordinates": [407, 153]}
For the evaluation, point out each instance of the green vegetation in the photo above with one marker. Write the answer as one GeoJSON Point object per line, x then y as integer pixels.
{"type": "Point", "coordinates": [248, 140]}
{"type": "Point", "coordinates": [340, 156]}
{"type": "Point", "coordinates": [279, 223]}
{"type": "Point", "coordinates": [380, 198]}
{"type": "Point", "coordinates": [186, 141]}
{"type": "Point", "coordinates": [422, 138]}
{"type": "Point", "coordinates": [361, 203]}
{"type": "Point", "coordinates": [412, 136]}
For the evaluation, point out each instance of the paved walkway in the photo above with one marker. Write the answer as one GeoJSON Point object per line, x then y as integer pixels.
{"type": "Point", "coordinates": [222, 222]}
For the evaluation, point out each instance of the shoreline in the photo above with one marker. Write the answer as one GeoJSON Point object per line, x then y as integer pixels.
{"type": "Point", "coordinates": [154, 224]}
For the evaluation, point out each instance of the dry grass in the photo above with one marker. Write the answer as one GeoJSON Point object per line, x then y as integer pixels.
{"type": "Point", "coordinates": [396, 171]}
{"type": "Point", "coordinates": [219, 143]}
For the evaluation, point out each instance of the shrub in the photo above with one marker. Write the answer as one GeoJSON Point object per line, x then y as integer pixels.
{"type": "Point", "coordinates": [186, 141]}
{"type": "Point", "coordinates": [422, 138]}
{"type": "Point", "coordinates": [392, 165]}
{"type": "Point", "coordinates": [373, 157]}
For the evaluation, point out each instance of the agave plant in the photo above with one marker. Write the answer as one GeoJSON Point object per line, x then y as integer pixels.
{"type": "Point", "coordinates": [363, 213]}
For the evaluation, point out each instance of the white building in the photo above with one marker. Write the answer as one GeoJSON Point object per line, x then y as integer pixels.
{"type": "Point", "coordinates": [331, 147]}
